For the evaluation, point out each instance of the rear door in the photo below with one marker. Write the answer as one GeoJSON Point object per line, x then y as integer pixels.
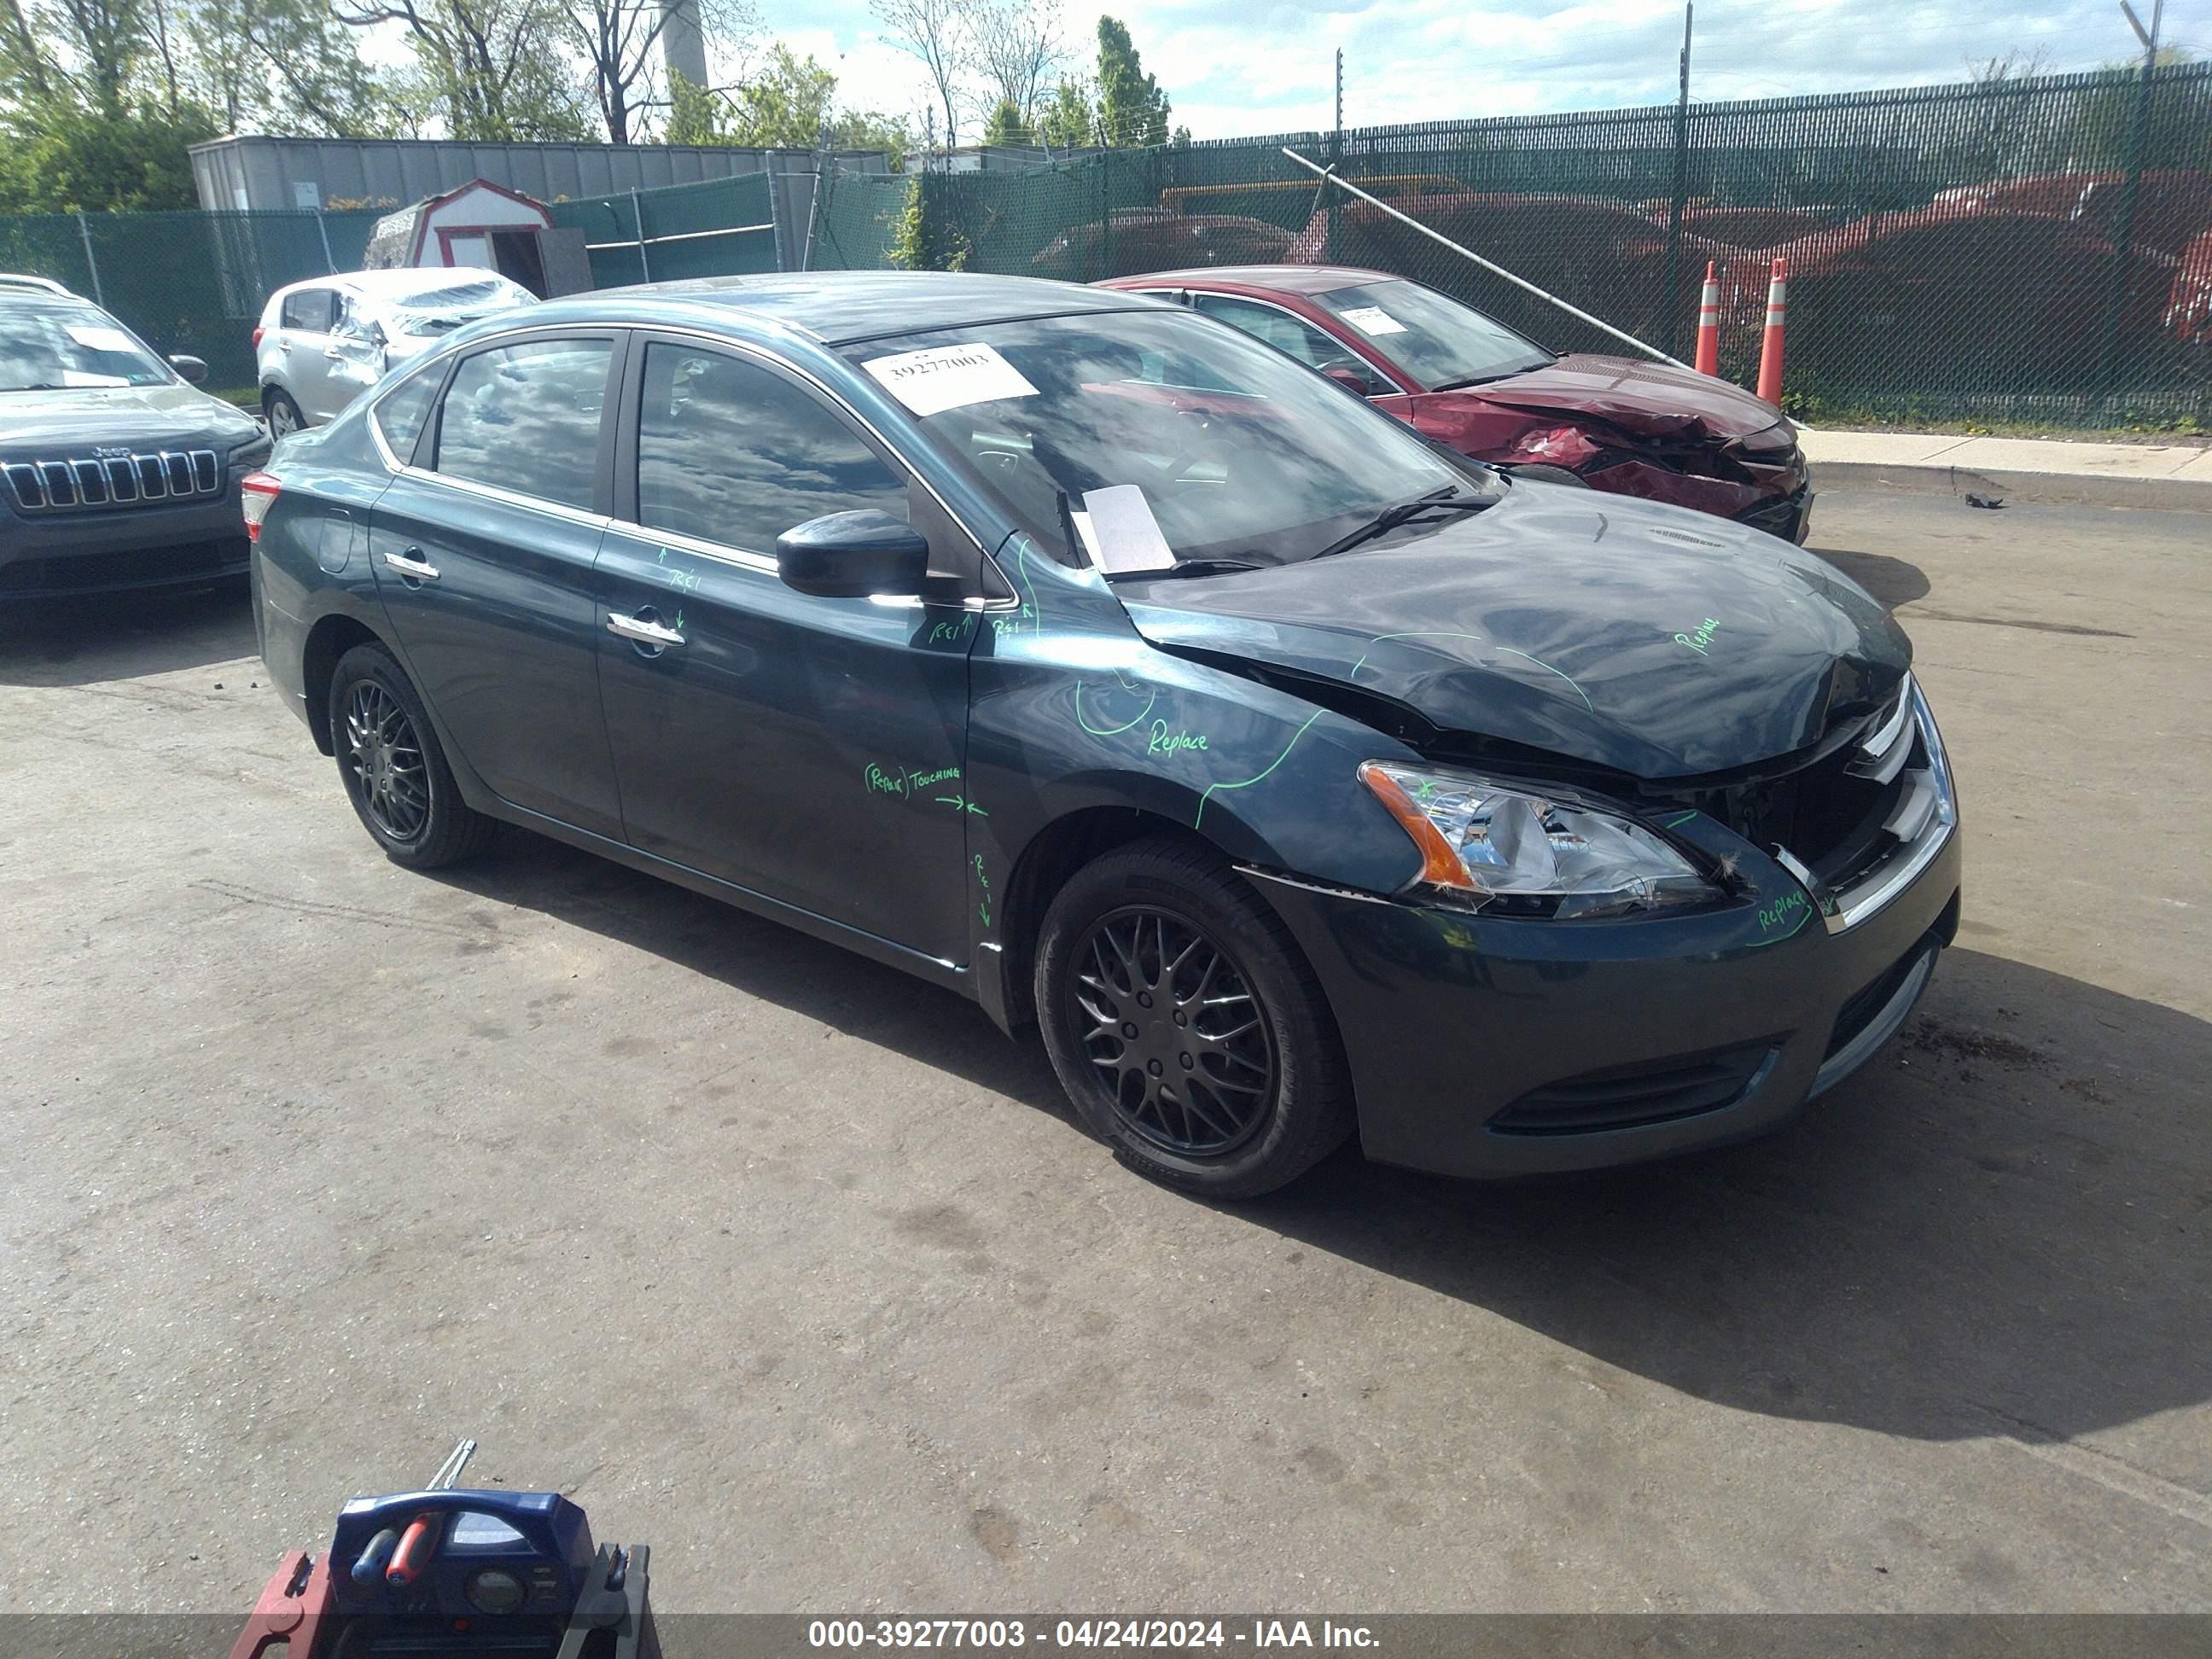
{"type": "Point", "coordinates": [810, 749]}
{"type": "Point", "coordinates": [307, 317]}
{"type": "Point", "coordinates": [484, 551]}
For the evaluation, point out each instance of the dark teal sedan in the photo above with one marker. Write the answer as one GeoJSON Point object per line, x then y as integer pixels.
{"type": "Point", "coordinates": [1296, 778]}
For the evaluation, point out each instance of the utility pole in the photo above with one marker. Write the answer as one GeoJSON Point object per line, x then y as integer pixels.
{"type": "Point", "coordinates": [1681, 187]}
{"type": "Point", "coordinates": [2124, 226]}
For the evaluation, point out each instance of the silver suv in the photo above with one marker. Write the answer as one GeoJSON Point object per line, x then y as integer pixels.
{"type": "Point", "coordinates": [322, 343]}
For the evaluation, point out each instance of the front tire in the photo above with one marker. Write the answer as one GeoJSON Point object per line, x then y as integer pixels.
{"type": "Point", "coordinates": [392, 769]}
{"type": "Point", "coordinates": [1185, 1024]}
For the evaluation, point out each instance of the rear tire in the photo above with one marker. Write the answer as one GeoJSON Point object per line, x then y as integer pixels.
{"type": "Point", "coordinates": [283, 415]}
{"type": "Point", "coordinates": [1186, 1025]}
{"type": "Point", "coordinates": [393, 771]}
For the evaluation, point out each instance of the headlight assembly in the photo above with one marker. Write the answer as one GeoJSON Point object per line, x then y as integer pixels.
{"type": "Point", "coordinates": [1514, 852]}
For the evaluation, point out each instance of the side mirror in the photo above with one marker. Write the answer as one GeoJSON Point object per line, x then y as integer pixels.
{"type": "Point", "coordinates": [853, 555]}
{"type": "Point", "coordinates": [193, 368]}
{"type": "Point", "coordinates": [1351, 376]}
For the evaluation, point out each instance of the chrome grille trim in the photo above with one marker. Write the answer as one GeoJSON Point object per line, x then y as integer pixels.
{"type": "Point", "coordinates": [1924, 819]}
{"type": "Point", "coordinates": [89, 481]}
{"type": "Point", "coordinates": [1883, 752]}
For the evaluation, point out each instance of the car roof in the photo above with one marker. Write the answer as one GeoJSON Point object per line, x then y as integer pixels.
{"type": "Point", "coordinates": [15, 282]}
{"type": "Point", "coordinates": [840, 306]}
{"type": "Point", "coordinates": [398, 279]}
{"type": "Point", "coordinates": [1289, 279]}
{"type": "Point", "coordinates": [38, 299]}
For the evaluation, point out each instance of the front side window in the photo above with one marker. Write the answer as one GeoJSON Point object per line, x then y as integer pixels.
{"type": "Point", "coordinates": [1302, 340]}
{"type": "Point", "coordinates": [1441, 343]}
{"type": "Point", "coordinates": [47, 347]}
{"type": "Point", "coordinates": [733, 453]}
{"type": "Point", "coordinates": [312, 310]}
{"type": "Point", "coordinates": [1240, 454]}
{"type": "Point", "coordinates": [525, 418]}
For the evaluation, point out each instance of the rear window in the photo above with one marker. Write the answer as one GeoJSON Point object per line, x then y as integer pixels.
{"type": "Point", "coordinates": [400, 415]}
{"type": "Point", "coordinates": [312, 309]}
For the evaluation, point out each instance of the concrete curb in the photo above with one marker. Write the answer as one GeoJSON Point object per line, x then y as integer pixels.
{"type": "Point", "coordinates": [2081, 489]}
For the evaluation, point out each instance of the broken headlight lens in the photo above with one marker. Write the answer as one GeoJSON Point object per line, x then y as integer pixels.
{"type": "Point", "coordinates": [1514, 852]}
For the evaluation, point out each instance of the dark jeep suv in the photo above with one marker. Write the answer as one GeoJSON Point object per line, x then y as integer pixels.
{"type": "Point", "coordinates": [115, 471]}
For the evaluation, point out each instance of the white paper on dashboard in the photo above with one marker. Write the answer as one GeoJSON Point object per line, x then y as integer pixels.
{"type": "Point", "coordinates": [1372, 320]}
{"type": "Point", "coordinates": [939, 378]}
{"type": "Point", "coordinates": [1124, 534]}
{"type": "Point", "coordinates": [77, 377]}
{"type": "Point", "coordinates": [1085, 534]}
{"type": "Point", "coordinates": [94, 338]}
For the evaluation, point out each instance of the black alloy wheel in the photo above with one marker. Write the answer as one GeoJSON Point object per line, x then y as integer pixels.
{"type": "Point", "coordinates": [1172, 1026]}
{"type": "Point", "coordinates": [394, 773]}
{"type": "Point", "coordinates": [383, 757]}
{"type": "Point", "coordinates": [1185, 1024]}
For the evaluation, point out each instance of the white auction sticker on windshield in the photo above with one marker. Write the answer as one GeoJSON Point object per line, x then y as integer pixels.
{"type": "Point", "coordinates": [939, 378]}
{"type": "Point", "coordinates": [1373, 319]}
{"type": "Point", "coordinates": [100, 339]}
{"type": "Point", "coordinates": [1122, 534]}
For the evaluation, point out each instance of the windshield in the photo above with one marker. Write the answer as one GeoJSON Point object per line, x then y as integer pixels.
{"type": "Point", "coordinates": [450, 303]}
{"type": "Point", "coordinates": [1239, 453]}
{"type": "Point", "coordinates": [47, 347]}
{"type": "Point", "coordinates": [1439, 342]}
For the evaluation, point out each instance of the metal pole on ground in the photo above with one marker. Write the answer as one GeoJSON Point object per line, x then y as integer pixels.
{"type": "Point", "coordinates": [1335, 156]}
{"type": "Point", "coordinates": [322, 230]}
{"type": "Point", "coordinates": [2124, 226]}
{"type": "Point", "coordinates": [637, 215]}
{"type": "Point", "coordinates": [84, 229]}
{"type": "Point", "coordinates": [814, 201]}
{"type": "Point", "coordinates": [1466, 252]}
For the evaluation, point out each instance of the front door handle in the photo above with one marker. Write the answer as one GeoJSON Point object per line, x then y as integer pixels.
{"type": "Point", "coordinates": [408, 564]}
{"type": "Point", "coordinates": [643, 631]}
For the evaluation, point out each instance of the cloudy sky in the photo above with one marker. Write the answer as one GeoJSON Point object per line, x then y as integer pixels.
{"type": "Point", "coordinates": [1240, 67]}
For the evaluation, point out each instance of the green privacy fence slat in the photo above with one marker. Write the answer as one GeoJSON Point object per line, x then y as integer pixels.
{"type": "Point", "coordinates": [724, 207]}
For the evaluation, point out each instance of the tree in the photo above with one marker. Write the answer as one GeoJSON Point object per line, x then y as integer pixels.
{"type": "Point", "coordinates": [620, 42]}
{"type": "Point", "coordinates": [1019, 48]}
{"type": "Point", "coordinates": [1132, 108]}
{"type": "Point", "coordinates": [1067, 121]}
{"type": "Point", "coordinates": [2172, 135]}
{"type": "Point", "coordinates": [1005, 125]}
{"type": "Point", "coordinates": [938, 32]}
{"type": "Point", "coordinates": [277, 66]}
{"type": "Point", "coordinates": [788, 103]}
{"type": "Point", "coordinates": [75, 158]}
{"type": "Point", "coordinates": [493, 70]}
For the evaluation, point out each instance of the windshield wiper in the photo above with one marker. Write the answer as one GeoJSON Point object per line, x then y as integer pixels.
{"type": "Point", "coordinates": [1188, 567]}
{"type": "Point", "coordinates": [1390, 518]}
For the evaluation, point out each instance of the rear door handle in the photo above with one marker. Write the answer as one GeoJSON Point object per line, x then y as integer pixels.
{"type": "Point", "coordinates": [407, 564]}
{"type": "Point", "coordinates": [645, 632]}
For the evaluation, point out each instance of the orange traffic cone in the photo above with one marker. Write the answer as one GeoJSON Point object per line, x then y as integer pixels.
{"type": "Point", "coordinates": [1769, 351]}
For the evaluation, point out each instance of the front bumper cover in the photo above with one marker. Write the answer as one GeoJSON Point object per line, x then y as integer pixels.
{"type": "Point", "coordinates": [1452, 1020]}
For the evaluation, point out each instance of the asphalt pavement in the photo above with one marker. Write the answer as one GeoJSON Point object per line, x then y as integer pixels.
{"type": "Point", "coordinates": [797, 1270]}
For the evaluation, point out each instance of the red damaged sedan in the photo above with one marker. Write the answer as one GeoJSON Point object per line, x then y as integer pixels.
{"type": "Point", "coordinates": [1640, 428]}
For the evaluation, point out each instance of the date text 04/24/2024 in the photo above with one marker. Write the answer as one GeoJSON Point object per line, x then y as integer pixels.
{"type": "Point", "coordinates": [1260, 1635]}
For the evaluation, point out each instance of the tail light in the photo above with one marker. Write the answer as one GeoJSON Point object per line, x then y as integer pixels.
{"type": "Point", "coordinates": [257, 332]}
{"type": "Point", "coordinates": [256, 494]}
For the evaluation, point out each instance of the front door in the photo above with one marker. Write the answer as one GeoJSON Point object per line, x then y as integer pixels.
{"type": "Point", "coordinates": [809, 750]}
{"type": "Point", "coordinates": [483, 553]}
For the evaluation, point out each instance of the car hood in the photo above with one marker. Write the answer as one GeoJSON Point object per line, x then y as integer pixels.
{"type": "Point", "coordinates": [1647, 399]}
{"type": "Point", "coordinates": [53, 425]}
{"type": "Point", "coordinates": [1611, 632]}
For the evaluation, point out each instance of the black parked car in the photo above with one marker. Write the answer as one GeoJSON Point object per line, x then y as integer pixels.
{"type": "Point", "coordinates": [1101, 663]}
{"type": "Point", "coordinates": [115, 469]}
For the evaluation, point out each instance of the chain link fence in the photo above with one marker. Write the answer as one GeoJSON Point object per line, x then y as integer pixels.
{"type": "Point", "coordinates": [190, 282]}
{"type": "Point", "coordinates": [2034, 251]}
{"type": "Point", "coordinates": [716, 228]}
